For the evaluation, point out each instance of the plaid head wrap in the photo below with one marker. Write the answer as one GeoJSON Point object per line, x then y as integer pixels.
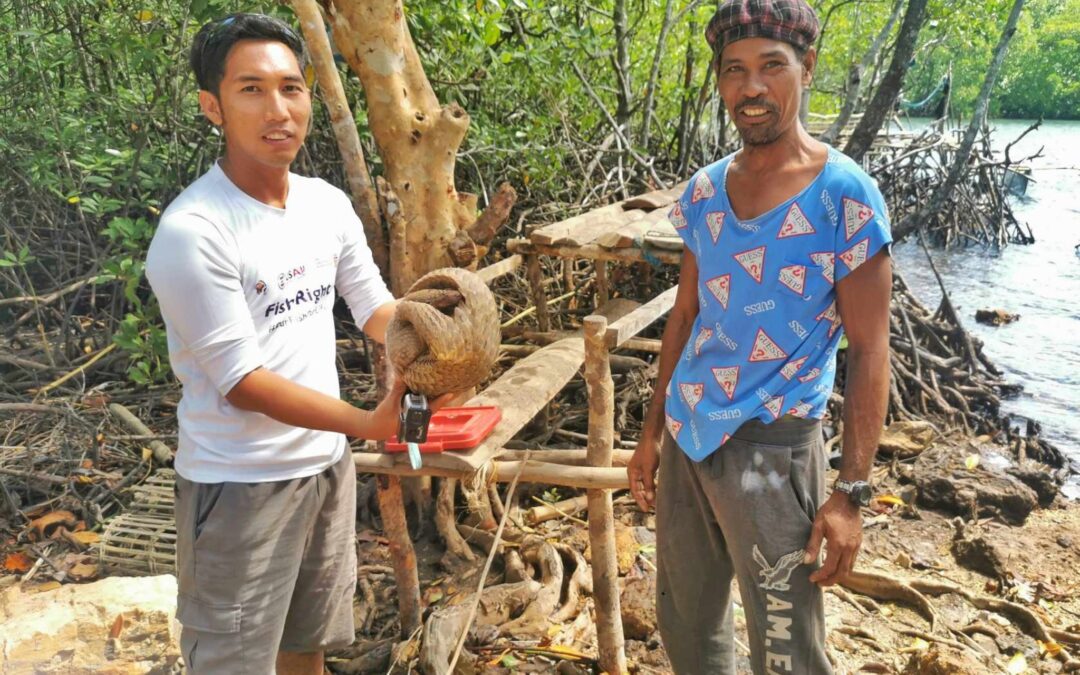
{"type": "Point", "coordinates": [791, 21]}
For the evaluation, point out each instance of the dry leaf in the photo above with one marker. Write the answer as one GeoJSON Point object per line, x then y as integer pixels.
{"type": "Point", "coordinates": [433, 595]}
{"type": "Point", "coordinates": [891, 500]}
{"type": "Point", "coordinates": [48, 586]}
{"type": "Point", "coordinates": [1049, 648]}
{"type": "Point", "coordinates": [96, 400]}
{"type": "Point", "coordinates": [44, 526]}
{"type": "Point", "coordinates": [971, 462]}
{"type": "Point", "coordinates": [17, 563]}
{"type": "Point", "coordinates": [83, 571]}
{"type": "Point", "coordinates": [495, 661]}
{"type": "Point", "coordinates": [117, 626]}
{"type": "Point", "coordinates": [84, 538]}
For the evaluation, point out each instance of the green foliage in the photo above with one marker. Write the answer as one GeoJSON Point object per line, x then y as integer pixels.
{"type": "Point", "coordinates": [102, 127]}
{"type": "Point", "coordinates": [1041, 74]}
{"type": "Point", "coordinates": [101, 130]}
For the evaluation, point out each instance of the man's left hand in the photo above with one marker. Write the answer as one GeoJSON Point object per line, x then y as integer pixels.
{"type": "Point", "coordinates": [838, 522]}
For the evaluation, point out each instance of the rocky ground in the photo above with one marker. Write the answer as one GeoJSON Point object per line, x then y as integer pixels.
{"type": "Point", "coordinates": [968, 566]}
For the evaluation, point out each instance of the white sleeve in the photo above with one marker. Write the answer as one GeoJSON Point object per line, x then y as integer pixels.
{"type": "Point", "coordinates": [358, 279]}
{"type": "Point", "coordinates": [194, 271]}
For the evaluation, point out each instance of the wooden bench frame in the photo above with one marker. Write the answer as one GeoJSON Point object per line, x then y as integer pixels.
{"type": "Point", "coordinates": [520, 399]}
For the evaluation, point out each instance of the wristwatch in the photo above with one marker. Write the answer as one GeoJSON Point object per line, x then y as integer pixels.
{"type": "Point", "coordinates": [858, 491]}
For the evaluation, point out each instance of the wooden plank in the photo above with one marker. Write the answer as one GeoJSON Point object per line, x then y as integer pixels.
{"type": "Point", "coordinates": [524, 390]}
{"type": "Point", "coordinates": [549, 234]}
{"type": "Point", "coordinates": [656, 199]}
{"type": "Point", "coordinates": [570, 456]}
{"type": "Point", "coordinates": [632, 233]}
{"type": "Point", "coordinates": [633, 323]}
{"type": "Point", "coordinates": [501, 268]}
{"type": "Point", "coordinates": [594, 252]}
{"type": "Point", "coordinates": [590, 231]}
{"type": "Point", "coordinates": [520, 393]}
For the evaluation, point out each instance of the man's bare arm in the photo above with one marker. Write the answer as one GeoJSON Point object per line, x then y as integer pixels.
{"type": "Point", "coordinates": [642, 468]}
{"type": "Point", "coordinates": [264, 391]}
{"type": "Point", "coordinates": [863, 302]}
{"type": "Point", "coordinates": [375, 327]}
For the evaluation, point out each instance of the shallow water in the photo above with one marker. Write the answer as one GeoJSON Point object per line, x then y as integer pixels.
{"type": "Point", "coordinates": [1040, 282]}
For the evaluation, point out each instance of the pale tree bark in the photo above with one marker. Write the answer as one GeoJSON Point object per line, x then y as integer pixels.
{"type": "Point", "coordinates": [885, 97]}
{"type": "Point", "coordinates": [417, 137]}
{"type": "Point", "coordinates": [858, 72]}
{"type": "Point", "coordinates": [348, 138]}
{"type": "Point", "coordinates": [978, 117]}
{"type": "Point", "coordinates": [391, 504]}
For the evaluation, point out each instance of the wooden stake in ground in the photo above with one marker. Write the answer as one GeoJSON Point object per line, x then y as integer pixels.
{"type": "Point", "coordinates": [401, 551]}
{"type": "Point", "coordinates": [609, 630]}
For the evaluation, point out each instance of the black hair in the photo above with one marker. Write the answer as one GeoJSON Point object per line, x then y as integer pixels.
{"type": "Point", "coordinates": [214, 40]}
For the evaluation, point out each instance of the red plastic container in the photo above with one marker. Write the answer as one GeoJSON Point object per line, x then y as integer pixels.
{"type": "Point", "coordinates": [455, 429]}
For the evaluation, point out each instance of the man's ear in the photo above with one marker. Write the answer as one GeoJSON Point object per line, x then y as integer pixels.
{"type": "Point", "coordinates": [809, 64]}
{"type": "Point", "coordinates": [211, 107]}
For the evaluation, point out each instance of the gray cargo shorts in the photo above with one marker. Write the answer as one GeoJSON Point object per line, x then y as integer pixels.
{"type": "Point", "coordinates": [264, 567]}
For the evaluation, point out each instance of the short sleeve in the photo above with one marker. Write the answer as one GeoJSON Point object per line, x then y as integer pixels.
{"type": "Point", "coordinates": [863, 227]}
{"type": "Point", "coordinates": [358, 278]}
{"type": "Point", "coordinates": [194, 271]}
{"type": "Point", "coordinates": [681, 218]}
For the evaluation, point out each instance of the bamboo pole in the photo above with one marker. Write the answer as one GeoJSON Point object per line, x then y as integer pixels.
{"type": "Point", "coordinates": [545, 473]}
{"type": "Point", "coordinates": [344, 125]}
{"type": "Point", "coordinates": [605, 569]}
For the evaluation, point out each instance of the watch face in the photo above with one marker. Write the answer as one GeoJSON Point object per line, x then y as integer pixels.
{"type": "Point", "coordinates": [861, 493]}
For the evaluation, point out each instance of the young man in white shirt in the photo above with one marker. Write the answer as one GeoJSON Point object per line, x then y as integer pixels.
{"type": "Point", "coordinates": [246, 263]}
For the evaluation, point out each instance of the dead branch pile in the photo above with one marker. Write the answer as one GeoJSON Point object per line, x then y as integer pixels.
{"type": "Point", "coordinates": [910, 169]}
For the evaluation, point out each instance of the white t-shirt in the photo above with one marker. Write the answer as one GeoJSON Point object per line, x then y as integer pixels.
{"type": "Point", "coordinates": [241, 285]}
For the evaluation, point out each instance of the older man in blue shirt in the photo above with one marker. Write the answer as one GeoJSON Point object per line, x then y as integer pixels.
{"type": "Point", "coordinates": [786, 252]}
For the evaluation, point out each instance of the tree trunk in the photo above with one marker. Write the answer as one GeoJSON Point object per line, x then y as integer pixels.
{"type": "Point", "coordinates": [855, 78]}
{"type": "Point", "coordinates": [686, 108]}
{"type": "Point", "coordinates": [885, 96]}
{"type": "Point", "coordinates": [621, 61]}
{"type": "Point", "coordinates": [348, 139]}
{"type": "Point", "coordinates": [418, 138]}
{"type": "Point", "coordinates": [960, 163]}
{"type": "Point", "coordinates": [650, 89]}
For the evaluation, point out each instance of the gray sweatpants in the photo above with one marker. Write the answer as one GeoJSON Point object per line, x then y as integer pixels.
{"type": "Point", "coordinates": [745, 511]}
